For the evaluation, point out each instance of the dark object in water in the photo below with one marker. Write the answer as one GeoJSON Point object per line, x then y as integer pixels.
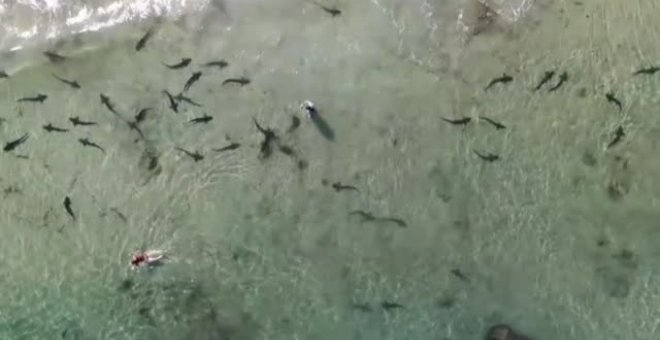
{"type": "Point", "coordinates": [612, 99]}
{"type": "Point", "coordinates": [105, 100]}
{"type": "Point", "coordinates": [149, 160]}
{"type": "Point", "coordinates": [399, 222]}
{"type": "Point", "coordinates": [504, 332]}
{"type": "Point", "coordinates": [323, 127]}
{"type": "Point", "coordinates": [460, 275]}
{"type": "Point", "coordinates": [76, 121]}
{"type": "Point", "coordinates": [67, 206]}
{"type": "Point", "coordinates": [267, 143]}
{"type": "Point", "coordinates": [141, 115]}
{"type": "Point", "coordinates": [488, 157]}
{"type": "Point", "coordinates": [74, 84]}
{"type": "Point", "coordinates": [602, 242]}
{"type": "Point", "coordinates": [196, 156]}
{"type": "Point", "coordinates": [149, 163]}
{"type": "Point", "coordinates": [193, 78]}
{"type": "Point", "coordinates": [3, 74]}
{"type": "Point", "coordinates": [183, 63]}
{"type": "Point", "coordinates": [446, 302]}
{"type": "Point", "coordinates": [240, 81]}
{"type": "Point", "coordinates": [562, 79]}
{"type": "Point", "coordinates": [616, 190]}
{"type": "Point", "coordinates": [338, 186]}
{"type": "Point", "coordinates": [54, 57]}
{"type": "Point", "coordinates": [232, 146]}
{"type": "Point", "coordinates": [295, 123]}
{"type": "Point", "coordinates": [614, 283]}
{"type": "Point", "coordinates": [333, 11]}
{"type": "Point", "coordinates": [143, 41]}
{"type": "Point", "coordinates": [86, 142]}
{"type": "Point", "coordinates": [217, 63]}
{"type": "Point", "coordinates": [387, 305]}
{"type": "Point", "coordinates": [126, 285]}
{"type": "Point", "coordinates": [619, 133]}
{"type": "Point", "coordinates": [460, 121]}
{"type": "Point", "coordinates": [582, 92]}
{"type": "Point", "coordinates": [320, 123]}
{"type": "Point", "coordinates": [287, 150]}
{"type": "Point", "coordinates": [201, 120]}
{"type": "Point", "coordinates": [134, 126]}
{"type": "Point", "coordinates": [626, 259]}
{"type": "Point", "coordinates": [40, 98]}
{"type": "Point", "coordinates": [504, 79]}
{"type": "Point", "coordinates": [51, 128]}
{"type": "Point", "coordinates": [647, 70]}
{"type": "Point", "coordinates": [497, 125]}
{"type": "Point", "coordinates": [182, 98]}
{"type": "Point", "coordinates": [10, 146]}
{"type": "Point", "coordinates": [153, 163]}
{"type": "Point", "coordinates": [366, 216]}
{"type": "Point", "coordinates": [119, 214]}
{"type": "Point", "coordinates": [546, 78]}
{"type": "Point", "coordinates": [174, 105]}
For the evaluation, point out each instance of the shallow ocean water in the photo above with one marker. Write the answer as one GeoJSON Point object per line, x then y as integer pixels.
{"type": "Point", "coordinates": [558, 238]}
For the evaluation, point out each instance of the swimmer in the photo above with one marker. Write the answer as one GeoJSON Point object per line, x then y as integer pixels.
{"type": "Point", "coordinates": [308, 107]}
{"type": "Point", "coordinates": [149, 258]}
{"type": "Point", "coordinates": [313, 114]}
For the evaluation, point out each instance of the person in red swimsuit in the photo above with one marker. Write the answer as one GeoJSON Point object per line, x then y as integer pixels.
{"type": "Point", "coordinates": [138, 259]}
{"type": "Point", "coordinates": [147, 258]}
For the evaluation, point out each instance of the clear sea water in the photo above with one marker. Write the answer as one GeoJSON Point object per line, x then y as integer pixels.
{"type": "Point", "coordinates": [558, 238]}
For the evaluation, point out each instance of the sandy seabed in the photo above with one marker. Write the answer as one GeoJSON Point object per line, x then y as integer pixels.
{"type": "Point", "coordinates": [558, 238]}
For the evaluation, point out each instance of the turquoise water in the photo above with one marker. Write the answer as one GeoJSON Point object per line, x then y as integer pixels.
{"type": "Point", "coordinates": [557, 238]}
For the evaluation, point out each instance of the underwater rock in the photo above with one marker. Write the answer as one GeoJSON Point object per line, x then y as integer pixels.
{"type": "Point", "coordinates": [602, 242]}
{"type": "Point", "coordinates": [617, 190]}
{"type": "Point", "coordinates": [441, 183]}
{"type": "Point", "coordinates": [126, 285]}
{"type": "Point", "coordinates": [446, 302]}
{"type": "Point", "coordinates": [626, 259]}
{"type": "Point", "coordinates": [504, 332]}
{"type": "Point", "coordinates": [589, 159]}
{"type": "Point", "coordinates": [614, 283]}
{"type": "Point", "coordinates": [582, 92]}
{"type": "Point", "coordinates": [150, 164]}
{"type": "Point", "coordinates": [72, 331]}
{"type": "Point", "coordinates": [214, 326]}
{"type": "Point", "coordinates": [618, 287]}
{"type": "Point", "coordinates": [619, 178]}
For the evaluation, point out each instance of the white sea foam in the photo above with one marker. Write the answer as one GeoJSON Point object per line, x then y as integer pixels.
{"type": "Point", "coordinates": [31, 22]}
